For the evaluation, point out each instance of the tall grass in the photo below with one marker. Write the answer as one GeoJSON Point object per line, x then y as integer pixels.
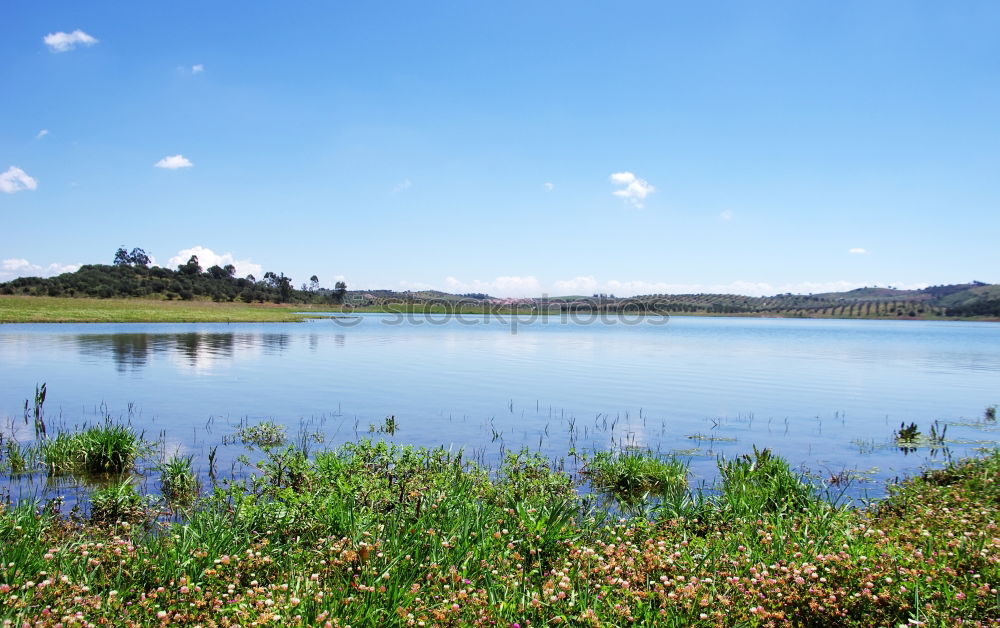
{"type": "Point", "coordinates": [107, 448]}
{"type": "Point", "coordinates": [760, 483]}
{"type": "Point", "coordinates": [178, 483]}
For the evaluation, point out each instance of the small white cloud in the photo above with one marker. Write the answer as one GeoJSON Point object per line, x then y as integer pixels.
{"type": "Point", "coordinates": [64, 42]}
{"type": "Point", "coordinates": [42, 134]}
{"type": "Point", "coordinates": [549, 186]}
{"type": "Point", "coordinates": [633, 189]}
{"type": "Point", "coordinates": [405, 184]}
{"type": "Point", "coordinates": [727, 215]}
{"type": "Point", "coordinates": [197, 68]}
{"type": "Point", "coordinates": [173, 162]}
{"type": "Point", "coordinates": [857, 251]}
{"type": "Point", "coordinates": [208, 258]}
{"type": "Point", "coordinates": [15, 180]}
{"type": "Point", "coordinates": [19, 267]}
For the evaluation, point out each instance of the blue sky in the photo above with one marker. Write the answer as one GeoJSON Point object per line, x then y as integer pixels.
{"type": "Point", "coordinates": [516, 148]}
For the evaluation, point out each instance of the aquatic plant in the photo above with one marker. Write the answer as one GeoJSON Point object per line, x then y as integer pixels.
{"type": "Point", "coordinates": [107, 448]}
{"type": "Point", "coordinates": [760, 483]}
{"type": "Point", "coordinates": [264, 434]}
{"type": "Point", "coordinates": [37, 412]}
{"type": "Point", "coordinates": [117, 502]}
{"type": "Point", "coordinates": [991, 413]}
{"type": "Point", "coordinates": [937, 435]}
{"type": "Point", "coordinates": [18, 458]}
{"type": "Point", "coordinates": [630, 474]}
{"type": "Point", "coordinates": [388, 426]}
{"type": "Point", "coordinates": [907, 433]}
{"type": "Point", "coordinates": [177, 481]}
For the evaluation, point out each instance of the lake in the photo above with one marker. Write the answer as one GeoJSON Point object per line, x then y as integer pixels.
{"type": "Point", "coordinates": [826, 394]}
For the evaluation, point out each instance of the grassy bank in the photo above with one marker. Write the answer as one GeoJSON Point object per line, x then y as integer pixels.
{"type": "Point", "coordinates": [375, 535]}
{"type": "Point", "coordinates": [21, 309]}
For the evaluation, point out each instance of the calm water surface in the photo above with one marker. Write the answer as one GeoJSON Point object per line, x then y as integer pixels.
{"type": "Point", "coordinates": [827, 394]}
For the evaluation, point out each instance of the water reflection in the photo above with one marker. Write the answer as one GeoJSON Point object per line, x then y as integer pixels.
{"type": "Point", "coordinates": [133, 352]}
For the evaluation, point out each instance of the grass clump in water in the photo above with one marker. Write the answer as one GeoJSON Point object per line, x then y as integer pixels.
{"type": "Point", "coordinates": [265, 434]}
{"type": "Point", "coordinates": [118, 501]}
{"type": "Point", "coordinates": [632, 474]}
{"type": "Point", "coordinates": [108, 448]}
{"type": "Point", "coordinates": [177, 481]}
{"type": "Point", "coordinates": [760, 483]}
{"type": "Point", "coordinates": [18, 458]}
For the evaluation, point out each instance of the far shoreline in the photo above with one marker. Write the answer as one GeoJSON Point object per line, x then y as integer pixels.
{"type": "Point", "coordinates": [43, 309]}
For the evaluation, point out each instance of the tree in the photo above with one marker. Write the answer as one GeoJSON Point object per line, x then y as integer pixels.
{"type": "Point", "coordinates": [313, 283]}
{"type": "Point", "coordinates": [218, 272]}
{"type": "Point", "coordinates": [191, 268]}
{"type": "Point", "coordinates": [339, 291]}
{"type": "Point", "coordinates": [230, 270]}
{"type": "Point", "coordinates": [284, 287]}
{"type": "Point", "coordinates": [121, 257]}
{"type": "Point", "coordinates": [138, 257]}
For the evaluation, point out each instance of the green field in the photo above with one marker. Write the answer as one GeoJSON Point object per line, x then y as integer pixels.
{"type": "Point", "coordinates": [24, 309]}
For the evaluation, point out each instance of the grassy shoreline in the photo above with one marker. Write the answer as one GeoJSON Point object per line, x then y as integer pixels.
{"type": "Point", "coordinates": [377, 534]}
{"type": "Point", "coordinates": [38, 309]}
{"type": "Point", "coordinates": [21, 309]}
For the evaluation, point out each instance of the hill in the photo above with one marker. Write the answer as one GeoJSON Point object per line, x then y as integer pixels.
{"type": "Point", "coordinates": [129, 277]}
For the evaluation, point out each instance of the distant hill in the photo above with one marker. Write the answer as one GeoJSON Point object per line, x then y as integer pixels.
{"type": "Point", "coordinates": [190, 281]}
{"type": "Point", "coordinates": [956, 300]}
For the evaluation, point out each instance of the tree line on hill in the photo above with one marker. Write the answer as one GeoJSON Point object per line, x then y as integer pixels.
{"type": "Point", "coordinates": [130, 275]}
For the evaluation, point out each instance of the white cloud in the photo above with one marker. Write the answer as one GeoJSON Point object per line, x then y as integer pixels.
{"type": "Point", "coordinates": [549, 186]}
{"type": "Point", "coordinates": [632, 188]}
{"type": "Point", "coordinates": [727, 215]}
{"type": "Point", "coordinates": [578, 285]}
{"type": "Point", "coordinates": [64, 42]}
{"type": "Point", "coordinates": [20, 267]}
{"type": "Point", "coordinates": [173, 162]}
{"type": "Point", "coordinates": [857, 251]}
{"type": "Point", "coordinates": [405, 184]}
{"type": "Point", "coordinates": [507, 286]}
{"type": "Point", "coordinates": [197, 68]}
{"type": "Point", "coordinates": [15, 180]}
{"type": "Point", "coordinates": [42, 134]}
{"type": "Point", "coordinates": [208, 258]}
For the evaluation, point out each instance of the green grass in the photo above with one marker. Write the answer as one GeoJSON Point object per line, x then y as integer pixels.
{"type": "Point", "coordinates": [178, 483]}
{"type": "Point", "coordinates": [118, 502]}
{"type": "Point", "coordinates": [633, 474]}
{"type": "Point", "coordinates": [378, 534]}
{"type": "Point", "coordinates": [24, 309]}
{"type": "Point", "coordinates": [107, 448]}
